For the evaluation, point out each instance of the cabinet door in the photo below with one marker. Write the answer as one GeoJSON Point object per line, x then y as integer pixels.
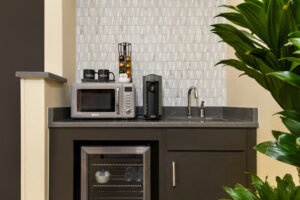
{"type": "Point", "coordinates": [201, 175]}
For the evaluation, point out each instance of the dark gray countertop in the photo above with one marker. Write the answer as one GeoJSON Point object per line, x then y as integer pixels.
{"type": "Point", "coordinates": [175, 117]}
{"type": "Point", "coordinates": [45, 75]}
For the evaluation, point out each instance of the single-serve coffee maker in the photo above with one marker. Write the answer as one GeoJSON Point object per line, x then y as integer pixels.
{"type": "Point", "coordinates": [152, 96]}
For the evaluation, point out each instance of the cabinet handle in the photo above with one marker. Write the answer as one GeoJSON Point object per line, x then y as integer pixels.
{"type": "Point", "coordinates": [117, 101]}
{"type": "Point", "coordinates": [174, 174]}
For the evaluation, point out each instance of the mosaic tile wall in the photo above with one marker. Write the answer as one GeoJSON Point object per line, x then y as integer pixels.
{"type": "Point", "coordinates": [171, 38]}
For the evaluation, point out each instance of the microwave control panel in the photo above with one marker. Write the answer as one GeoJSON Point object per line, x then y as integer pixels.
{"type": "Point", "coordinates": [128, 100]}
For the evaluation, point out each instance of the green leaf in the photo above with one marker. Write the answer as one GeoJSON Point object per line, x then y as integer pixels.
{"type": "Point", "coordinates": [285, 187]}
{"type": "Point", "coordinates": [289, 22]}
{"type": "Point", "coordinates": [266, 57]}
{"type": "Point", "coordinates": [241, 193]}
{"type": "Point", "coordinates": [243, 45]}
{"type": "Point", "coordinates": [295, 34]}
{"type": "Point", "coordinates": [256, 41]}
{"type": "Point", "coordinates": [264, 190]}
{"type": "Point", "coordinates": [295, 62]}
{"type": "Point", "coordinates": [277, 134]}
{"type": "Point", "coordinates": [285, 190]}
{"type": "Point", "coordinates": [231, 34]}
{"type": "Point", "coordinates": [284, 93]}
{"type": "Point", "coordinates": [264, 68]}
{"type": "Point", "coordinates": [229, 6]}
{"type": "Point", "coordinates": [295, 6]}
{"type": "Point", "coordinates": [286, 51]}
{"type": "Point", "coordinates": [288, 182]}
{"type": "Point", "coordinates": [246, 58]}
{"type": "Point", "coordinates": [235, 18]}
{"type": "Point", "coordinates": [289, 77]}
{"type": "Point", "coordinates": [288, 142]}
{"type": "Point", "coordinates": [292, 125]}
{"type": "Point", "coordinates": [242, 67]}
{"type": "Point", "coordinates": [275, 15]}
{"type": "Point", "coordinates": [292, 59]}
{"type": "Point", "coordinates": [294, 66]}
{"type": "Point", "coordinates": [295, 41]}
{"type": "Point", "coordinates": [297, 52]}
{"type": "Point", "coordinates": [258, 3]}
{"type": "Point", "coordinates": [297, 193]}
{"type": "Point", "coordinates": [257, 19]}
{"type": "Point", "coordinates": [285, 99]}
{"type": "Point", "coordinates": [285, 151]}
{"type": "Point", "coordinates": [291, 114]}
{"type": "Point", "coordinates": [266, 4]}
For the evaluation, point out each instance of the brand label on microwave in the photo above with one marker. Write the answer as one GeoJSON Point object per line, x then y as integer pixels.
{"type": "Point", "coordinates": [95, 115]}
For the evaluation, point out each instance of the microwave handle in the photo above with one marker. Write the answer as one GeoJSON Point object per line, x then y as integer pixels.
{"type": "Point", "coordinates": [117, 101]}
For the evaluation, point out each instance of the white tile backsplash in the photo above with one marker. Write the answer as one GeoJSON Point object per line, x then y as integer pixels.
{"type": "Point", "coordinates": [171, 38]}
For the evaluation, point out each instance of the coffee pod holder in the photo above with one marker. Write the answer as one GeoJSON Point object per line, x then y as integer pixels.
{"type": "Point", "coordinates": [125, 68]}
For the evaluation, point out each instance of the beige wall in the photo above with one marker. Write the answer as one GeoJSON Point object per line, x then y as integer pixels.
{"type": "Point", "coordinates": [246, 92]}
{"type": "Point", "coordinates": [60, 39]}
{"type": "Point", "coordinates": [53, 37]}
{"type": "Point", "coordinates": [69, 39]}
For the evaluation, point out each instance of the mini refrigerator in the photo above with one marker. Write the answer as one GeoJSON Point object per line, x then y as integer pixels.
{"type": "Point", "coordinates": [115, 173]}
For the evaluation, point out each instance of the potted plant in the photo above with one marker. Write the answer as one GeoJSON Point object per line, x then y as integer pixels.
{"type": "Point", "coordinates": [266, 40]}
{"type": "Point", "coordinates": [285, 190]}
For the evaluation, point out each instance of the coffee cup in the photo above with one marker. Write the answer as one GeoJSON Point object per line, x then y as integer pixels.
{"type": "Point", "coordinates": [89, 74]}
{"type": "Point", "coordinates": [103, 75]}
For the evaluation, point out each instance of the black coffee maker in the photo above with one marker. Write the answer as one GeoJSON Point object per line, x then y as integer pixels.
{"type": "Point", "coordinates": [152, 96]}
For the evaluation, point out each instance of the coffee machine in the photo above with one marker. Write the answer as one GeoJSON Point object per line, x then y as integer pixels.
{"type": "Point", "coordinates": [152, 96]}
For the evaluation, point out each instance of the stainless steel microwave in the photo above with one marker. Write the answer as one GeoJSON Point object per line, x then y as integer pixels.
{"type": "Point", "coordinates": [103, 100]}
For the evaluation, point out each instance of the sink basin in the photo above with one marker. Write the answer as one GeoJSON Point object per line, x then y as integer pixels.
{"type": "Point", "coordinates": [194, 119]}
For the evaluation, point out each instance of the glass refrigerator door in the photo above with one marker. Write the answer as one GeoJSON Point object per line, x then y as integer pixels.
{"type": "Point", "coordinates": [115, 173]}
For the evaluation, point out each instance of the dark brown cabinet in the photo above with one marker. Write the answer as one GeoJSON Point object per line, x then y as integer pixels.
{"type": "Point", "coordinates": [201, 175]}
{"type": "Point", "coordinates": [205, 159]}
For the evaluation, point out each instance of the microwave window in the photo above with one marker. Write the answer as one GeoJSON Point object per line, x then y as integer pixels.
{"type": "Point", "coordinates": [98, 100]}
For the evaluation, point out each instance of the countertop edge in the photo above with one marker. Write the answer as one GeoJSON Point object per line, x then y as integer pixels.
{"type": "Point", "coordinates": [60, 118]}
{"type": "Point", "coordinates": [42, 75]}
{"type": "Point", "coordinates": [153, 125]}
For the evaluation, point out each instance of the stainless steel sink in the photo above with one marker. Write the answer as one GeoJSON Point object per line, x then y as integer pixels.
{"type": "Point", "coordinates": [194, 119]}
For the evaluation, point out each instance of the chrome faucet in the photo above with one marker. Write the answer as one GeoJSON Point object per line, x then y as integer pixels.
{"type": "Point", "coordinates": [189, 99]}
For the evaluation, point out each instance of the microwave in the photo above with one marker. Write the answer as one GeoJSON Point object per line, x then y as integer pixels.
{"type": "Point", "coordinates": [103, 100]}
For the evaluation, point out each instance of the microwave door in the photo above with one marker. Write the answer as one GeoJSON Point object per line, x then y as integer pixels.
{"type": "Point", "coordinates": [96, 100]}
{"type": "Point", "coordinates": [99, 103]}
